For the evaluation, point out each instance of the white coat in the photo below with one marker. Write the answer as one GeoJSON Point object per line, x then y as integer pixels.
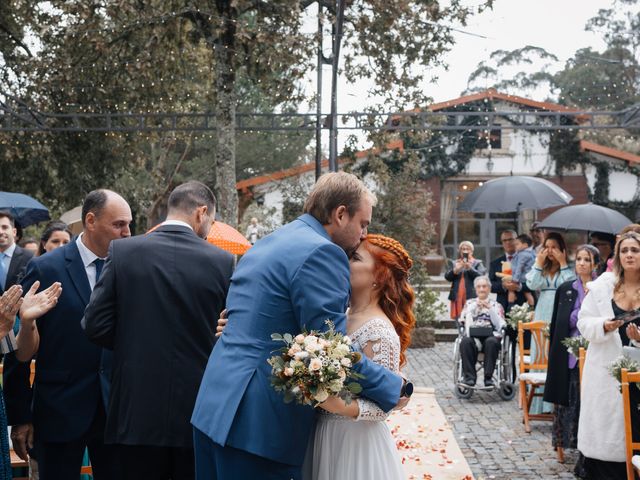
{"type": "Point", "coordinates": [601, 427]}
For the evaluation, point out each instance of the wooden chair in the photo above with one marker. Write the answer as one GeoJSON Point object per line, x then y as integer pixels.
{"type": "Point", "coordinates": [633, 461]}
{"type": "Point", "coordinates": [533, 373]}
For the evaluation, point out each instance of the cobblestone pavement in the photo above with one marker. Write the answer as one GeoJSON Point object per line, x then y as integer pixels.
{"type": "Point", "coordinates": [489, 430]}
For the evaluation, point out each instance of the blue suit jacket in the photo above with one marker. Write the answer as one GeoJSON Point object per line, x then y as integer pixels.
{"type": "Point", "coordinates": [294, 278]}
{"type": "Point", "coordinates": [72, 374]}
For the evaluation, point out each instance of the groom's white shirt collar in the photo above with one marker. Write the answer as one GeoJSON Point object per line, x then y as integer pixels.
{"type": "Point", "coordinates": [176, 222]}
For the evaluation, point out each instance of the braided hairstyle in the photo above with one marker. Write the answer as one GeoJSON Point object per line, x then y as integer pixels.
{"type": "Point", "coordinates": [391, 272]}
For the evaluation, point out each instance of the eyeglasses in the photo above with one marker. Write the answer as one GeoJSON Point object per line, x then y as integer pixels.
{"type": "Point", "coordinates": [507, 240]}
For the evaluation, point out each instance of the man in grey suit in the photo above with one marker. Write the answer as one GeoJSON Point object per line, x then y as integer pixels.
{"type": "Point", "coordinates": [156, 307]}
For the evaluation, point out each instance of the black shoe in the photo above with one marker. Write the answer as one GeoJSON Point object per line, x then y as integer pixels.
{"type": "Point", "coordinates": [469, 382]}
{"type": "Point", "coordinates": [488, 382]}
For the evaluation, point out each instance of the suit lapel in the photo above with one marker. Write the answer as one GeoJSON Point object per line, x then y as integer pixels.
{"type": "Point", "coordinates": [14, 266]}
{"type": "Point", "coordinates": [77, 272]}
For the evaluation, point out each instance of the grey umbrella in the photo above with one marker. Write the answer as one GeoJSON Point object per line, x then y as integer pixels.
{"type": "Point", "coordinates": [588, 217]}
{"type": "Point", "coordinates": [514, 193]}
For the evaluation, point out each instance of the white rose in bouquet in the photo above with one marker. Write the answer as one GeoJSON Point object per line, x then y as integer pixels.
{"type": "Point", "coordinates": [314, 365]}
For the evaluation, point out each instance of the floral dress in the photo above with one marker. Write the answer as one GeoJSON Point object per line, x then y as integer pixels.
{"type": "Point", "coordinates": [362, 448]}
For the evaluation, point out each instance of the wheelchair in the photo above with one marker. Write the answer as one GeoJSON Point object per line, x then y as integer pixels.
{"type": "Point", "coordinates": [503, 378]}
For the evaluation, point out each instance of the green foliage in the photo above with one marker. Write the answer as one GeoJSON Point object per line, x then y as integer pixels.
{"type": "Point", "coordinates": [564, 148]}
{"type": "Point", "coordinates": [601, 187]}
{"type": "Point", "coordinates": [428, 308]}
{"type": "Point", "coordinates": [403, 208]}
{"type": "Point", "coordinates": [620, 363]}
{"type": "Point", "coordinates": [574, 344]}
{"type": "Point", "coordinates": [170, 55]}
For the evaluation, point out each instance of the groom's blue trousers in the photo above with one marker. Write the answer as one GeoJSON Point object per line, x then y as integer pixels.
{"type": "Point", "coordinates": [215, 462]}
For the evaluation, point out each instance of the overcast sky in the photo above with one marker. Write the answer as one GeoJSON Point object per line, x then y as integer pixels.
{"type": "Point", "coordinates": [555, 25]}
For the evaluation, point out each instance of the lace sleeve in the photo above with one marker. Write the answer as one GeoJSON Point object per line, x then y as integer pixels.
{"type": "Point", "coordinates": [379, 342]}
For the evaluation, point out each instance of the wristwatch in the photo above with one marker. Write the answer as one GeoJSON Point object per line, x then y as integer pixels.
{"type": "Point", "coordinates": [407, 388]}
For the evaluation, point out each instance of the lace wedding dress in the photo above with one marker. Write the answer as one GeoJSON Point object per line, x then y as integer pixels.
{"type": "Point", "coordinates": [362, 449]}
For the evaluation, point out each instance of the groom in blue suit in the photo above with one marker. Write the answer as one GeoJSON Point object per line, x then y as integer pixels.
{"type": "Point", "coordinates": [295, 278]}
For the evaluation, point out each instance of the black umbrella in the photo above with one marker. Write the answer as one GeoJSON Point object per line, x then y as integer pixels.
{"type": "Point", "coordinates": [24, 209]}
{"type": "Point", "coordinates": [514, 193]}
{"type": "Point", "coordinates": [588, 217]}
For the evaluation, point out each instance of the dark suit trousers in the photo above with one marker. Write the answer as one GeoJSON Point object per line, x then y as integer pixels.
{"type": "Point", "coordinates": [215, 462]}
{"type": "Point", "coordinates": [469, 353]}
{"type": "Point", "coordinates": [62, 460]}
{"type": "Point", "coordinates": [147, 462]}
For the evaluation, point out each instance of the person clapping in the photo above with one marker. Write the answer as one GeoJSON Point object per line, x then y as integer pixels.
{"type": "Point", "coordinates": [483, 321]}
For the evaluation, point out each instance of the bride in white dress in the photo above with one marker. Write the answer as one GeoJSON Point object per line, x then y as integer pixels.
{"type": "Point", "coordinates": [353, 441]}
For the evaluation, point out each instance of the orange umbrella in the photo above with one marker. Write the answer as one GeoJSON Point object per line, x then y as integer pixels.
{"type": "Point", "coordinates": [228, 238]}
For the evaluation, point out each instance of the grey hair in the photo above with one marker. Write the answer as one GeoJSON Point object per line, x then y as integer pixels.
{"type": "Point", "coordinates": [465, 242]}
{"type": "Point", "coordinates": [509, 231]}
{"type": "Point", "coordinates": [477, 280]}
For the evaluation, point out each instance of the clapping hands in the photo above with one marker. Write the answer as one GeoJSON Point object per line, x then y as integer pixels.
{"type": "Point", "coordinates": [34, 305]}
{"type": "Point", "coordinates": [10, 303]}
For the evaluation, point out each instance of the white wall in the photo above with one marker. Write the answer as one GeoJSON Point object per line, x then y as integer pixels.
{"type": "Point", "coordinates": [622, 185]}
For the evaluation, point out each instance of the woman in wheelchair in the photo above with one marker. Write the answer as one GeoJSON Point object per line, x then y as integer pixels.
{"type": "Point", "coordinates": [483, 321]}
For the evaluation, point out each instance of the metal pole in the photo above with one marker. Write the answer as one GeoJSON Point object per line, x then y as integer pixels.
{"type": "Point", "coordinates": [337, 37]}
{"type": "Point", "coordinates": [319, 97]}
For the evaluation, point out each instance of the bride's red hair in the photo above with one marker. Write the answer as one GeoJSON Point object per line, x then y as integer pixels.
{"type": "Point", "coordinates": [391, 272]}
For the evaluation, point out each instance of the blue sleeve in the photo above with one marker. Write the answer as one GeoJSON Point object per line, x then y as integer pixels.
{"type": "Point", "coordinates": [535, 279]}
{"type": "Point", "coordinates": [320, 291]}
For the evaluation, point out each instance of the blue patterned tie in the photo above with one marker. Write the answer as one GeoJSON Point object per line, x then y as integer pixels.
{"type": "Point", "coordinates": [3, 271]}
{"type": "Point", "coordinates": [99, 263]}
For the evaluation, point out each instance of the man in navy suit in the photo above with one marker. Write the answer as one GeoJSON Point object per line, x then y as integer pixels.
{"type": "Point", "coordinates": [13, 259]}
{"type": "Point", "coordinates": [295, 278]}
{"type": "Point", "coordinates": [71, 385]}
{"type": "Point", "coordinates": [156, 307]}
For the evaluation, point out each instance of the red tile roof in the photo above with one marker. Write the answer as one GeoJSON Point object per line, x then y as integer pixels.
{"type": "Point", "coordinates": [586, 146]}
{"type": "Point", "coordinates": [493, 94]}
{"type": "Point", "coordinates": [307, 167]}
{"type": "Point", "coordinates": [490, 94]}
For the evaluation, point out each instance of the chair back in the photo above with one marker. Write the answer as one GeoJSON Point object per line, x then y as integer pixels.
{"type": "Point", "coordinates": [540, 340]}
{"type": "Point", "coordinates": [627, 378]}
{"type": "Point", "coordinates": [582, 355]}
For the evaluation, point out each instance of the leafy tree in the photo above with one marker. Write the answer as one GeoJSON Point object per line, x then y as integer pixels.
{"type": "Point", "coordinates": [188, 55]}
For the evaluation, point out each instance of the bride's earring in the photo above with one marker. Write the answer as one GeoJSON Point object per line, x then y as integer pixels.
{"type": "Point", "coordinates": [374, 285]}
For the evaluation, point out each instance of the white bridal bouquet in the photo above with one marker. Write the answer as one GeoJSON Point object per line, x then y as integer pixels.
{"type": "Point", "coordinates": [615, 368]}
{"type": "Point", "coordinates": [314, 365]}
{"type": "Point", "coordinates": [573, 344]}
{"type": "Point", "coordinates": [519, 313]}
